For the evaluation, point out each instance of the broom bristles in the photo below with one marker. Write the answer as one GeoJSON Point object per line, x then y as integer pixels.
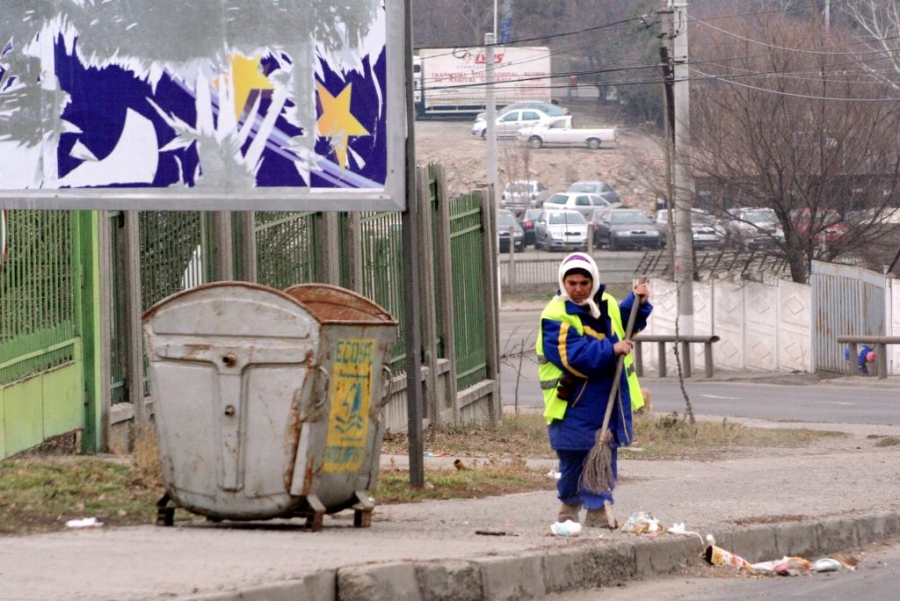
{"type": "Point", "coordinates": [597, 475]}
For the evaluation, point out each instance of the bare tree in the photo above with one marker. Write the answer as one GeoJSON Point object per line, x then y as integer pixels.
{"type": "Point", "coordinates": [442, 23]}
{"type": "Point", "coordinates": [878, 22]}
{"type": "Point", "coordinates": [784, 117]}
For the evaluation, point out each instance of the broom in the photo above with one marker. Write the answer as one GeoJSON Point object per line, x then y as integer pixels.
{"type": "Point", "coordinates": [597, 475]}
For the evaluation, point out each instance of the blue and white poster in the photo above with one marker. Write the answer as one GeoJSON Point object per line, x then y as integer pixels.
{"type": "Point", "coordinates": [206, 104]}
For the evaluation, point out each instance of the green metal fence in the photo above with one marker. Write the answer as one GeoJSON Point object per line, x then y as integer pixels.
{"type": "Point", "coordinates": [39, 280]}
{"type": "Point", "coordinates": [285, 248]}
{"type": "Point", "coordinates": [441, 296]}
{"type": "Point", "coordinates": [467, 244]}
{"type": "Point", "coordinates": [382, 272]}
{"type": "Point", "coordinates": [172, 253]}
{"type": "Point", "coordinates": [37, 313]}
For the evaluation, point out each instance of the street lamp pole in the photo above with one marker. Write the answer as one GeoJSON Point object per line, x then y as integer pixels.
{"type": "Point", "coordinates": [495, 19]}
{"type": "Point", "coordinates": [491, 116]}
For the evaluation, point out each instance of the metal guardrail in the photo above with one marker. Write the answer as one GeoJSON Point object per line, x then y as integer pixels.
{"type": "Point", "coordinates": [880, 343]}
{"type": "Point", "coordinates": [686, 341]}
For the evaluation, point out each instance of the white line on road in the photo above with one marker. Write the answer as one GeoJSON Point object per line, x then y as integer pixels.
{"type": "Point", "coordinates": [727, 398]}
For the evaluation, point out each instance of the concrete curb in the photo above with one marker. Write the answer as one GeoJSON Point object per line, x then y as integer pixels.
{"type": "Point", "coordinates": [588, 562]}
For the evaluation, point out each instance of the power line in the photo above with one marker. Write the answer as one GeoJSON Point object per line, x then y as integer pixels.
{"type": "Point", "coordinates": [704, 77]}
{"type": "Point", "coordinates": [552, 36]}
{"type": "Point", "coordinates": [789, 94]}
{"type": "Point", "coordinates": [765, 44]}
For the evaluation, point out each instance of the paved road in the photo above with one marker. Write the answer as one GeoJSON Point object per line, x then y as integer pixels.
{"type": "Point", "coordinates": [821, 403]}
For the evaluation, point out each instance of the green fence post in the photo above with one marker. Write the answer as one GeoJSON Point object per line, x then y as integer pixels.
{"type": "Point", "coordinates": [86, 291]}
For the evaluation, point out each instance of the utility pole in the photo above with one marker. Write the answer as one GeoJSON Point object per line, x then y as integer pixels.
{"type": "Point", "coordinates": [491, 116]}
{"type": "Point", "coordinates": [827, 14]}
{"type": "Point", "coordinates": [676, 34]}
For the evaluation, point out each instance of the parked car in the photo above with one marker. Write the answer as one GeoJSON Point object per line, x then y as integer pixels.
{"type": "Point", "coordinates": [827, 222]}
{"type": "Point", "coordinates": [603, 189]}
{"type": "Point", "coordinates": [579, 201]}
{"type": "Point", "coordinates": [554, 110]}
{"type": "Point", "coordinates": [619, 229]}
{"type": "Point", "coordinates": [508, 124]}
{"type": "Point", "coordinates": [754, 227]}
{"type": "Point", "coordinates": [505, 221]}
{"type": "Point", "coordinates": [706, 231]}
{"type": "Point", "coordinates": [523, 194]}
{"type": "Point", "coordinates": [561, 133]}
{"type": "Point", "coordinates": [561, 230]}
{"type": "Point", "coordinates": [882, 216]}
{"type": "Point", "coordinates": [527, 221]}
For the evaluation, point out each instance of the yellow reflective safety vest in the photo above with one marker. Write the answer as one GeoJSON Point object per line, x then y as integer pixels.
{"type": "Point", "coordinates": [549, 374]}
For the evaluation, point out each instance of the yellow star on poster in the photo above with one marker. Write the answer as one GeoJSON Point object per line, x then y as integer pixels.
{"type": "Point", "coordinates": [247, 76]}
{"type": "Point", "coordinates": [336, 122]}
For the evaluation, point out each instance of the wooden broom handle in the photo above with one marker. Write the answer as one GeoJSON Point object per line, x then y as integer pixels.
{"type": "Point", "coordinates": [620, 364]}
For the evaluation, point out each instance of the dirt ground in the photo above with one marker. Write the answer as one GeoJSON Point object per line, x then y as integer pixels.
{"type": "Point", "coordinates": [635, 167]}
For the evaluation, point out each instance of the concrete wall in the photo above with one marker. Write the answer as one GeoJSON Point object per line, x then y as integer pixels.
{"type": "Point", "coordinates": [764, 327]}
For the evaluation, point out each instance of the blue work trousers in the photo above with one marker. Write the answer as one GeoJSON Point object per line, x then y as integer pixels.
{"type": "Point", "coordinates": [571, 464]}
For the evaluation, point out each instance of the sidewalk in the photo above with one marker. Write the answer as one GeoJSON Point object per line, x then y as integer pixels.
{"type": "Point", "coordinates": [840, 494]}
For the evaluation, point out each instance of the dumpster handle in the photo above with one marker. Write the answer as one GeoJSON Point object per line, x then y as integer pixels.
{"type": "Point", "coordinates": [324, 388]}
{"type": "Point", "coordinates": [388, 379]}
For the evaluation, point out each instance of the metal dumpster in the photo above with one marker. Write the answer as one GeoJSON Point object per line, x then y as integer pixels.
{"type": "Point", "coordinates": [267, 405]}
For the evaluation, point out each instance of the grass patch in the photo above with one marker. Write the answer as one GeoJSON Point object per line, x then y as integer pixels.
{"type": "Point", "coordinates": [523, 435]}
{"type": "Point", "coordinates": [886, 441]}
{"type": "Point", "coordinates": [668, 437]}
{"type": "Point", "coordinates": [39, 494]}
{"type": "Point", "coordinates": [480, 479]}
{"type": "Point", "coordinates": [660, 437]}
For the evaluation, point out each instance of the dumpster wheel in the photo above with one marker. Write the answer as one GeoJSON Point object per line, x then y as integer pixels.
{"type": "Point", "coordinates": [165, 515]}
{"type": "Point", "coordinates": [362, 518]}
{"type": "Point", "coordinates": [362, 511]}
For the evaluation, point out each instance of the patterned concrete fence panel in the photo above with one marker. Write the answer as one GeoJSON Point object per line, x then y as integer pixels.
{"type": "Point", "coordinates": [761, 326]}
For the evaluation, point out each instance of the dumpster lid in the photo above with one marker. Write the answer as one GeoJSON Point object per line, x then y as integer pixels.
{"type": "Point", "coordinates": [225, 285]}
{"type": "Point", "coordinates": [330, 304]}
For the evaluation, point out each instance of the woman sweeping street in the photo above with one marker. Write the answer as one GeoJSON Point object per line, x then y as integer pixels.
{"type": "Point", "coordinates": [580, 341]}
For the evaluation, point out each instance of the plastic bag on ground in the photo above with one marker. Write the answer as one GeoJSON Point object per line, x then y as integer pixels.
{"type": "Point", "coordinates": [566, 529]}
{"type": "Point", "coordinates": [641, 522]}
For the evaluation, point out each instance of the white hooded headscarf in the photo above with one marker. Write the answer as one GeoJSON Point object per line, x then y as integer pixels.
{"type": "Point", "coordinates": [586, 262]}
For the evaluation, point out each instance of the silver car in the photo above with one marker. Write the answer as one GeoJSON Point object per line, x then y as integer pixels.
{"type": "Point", "coordinates": [582, 202]}
{"type": "Point", "coordinates": [509, 124]}
{"type": "Point", "coordinates": [561, 230]}
{"type": "Point", "coordinates": [755, 227]}
{"type": "Point", "coordinates": [603, 189]}
{"type": "Point", "coordinates": [554, 110]}
{"type": "Point", "coordinates": [520, 195]}
{"type": "Point", "coordinates": [706, 231]}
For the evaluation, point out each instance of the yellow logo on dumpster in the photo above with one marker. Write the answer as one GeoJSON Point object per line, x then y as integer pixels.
{"type": "Point", "coordinates": [348, 420]}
